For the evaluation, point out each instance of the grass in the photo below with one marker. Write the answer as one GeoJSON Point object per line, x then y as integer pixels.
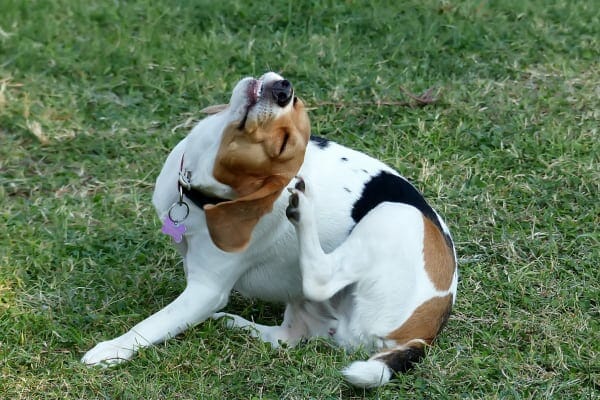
{"type": "Point", "coordinates": [93, 95]}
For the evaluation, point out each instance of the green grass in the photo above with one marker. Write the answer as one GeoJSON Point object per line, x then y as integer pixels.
{"type": "Point", "coordinates": [93, 96]}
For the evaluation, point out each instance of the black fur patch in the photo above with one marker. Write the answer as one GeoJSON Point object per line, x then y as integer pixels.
{"type": "Point", "coordinates": [403, 360]}
{"type": "Point", "coordinates": [389, 187]}
{"type": "Point", "coordinates": [319, 141]}
{"type": "Point", "coordinates": [392, 188]}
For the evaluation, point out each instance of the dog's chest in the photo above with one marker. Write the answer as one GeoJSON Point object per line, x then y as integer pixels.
{"type": "Point", "coordinates": [271, 264]}
{"type": "Point", "coordinates": [278, 282]}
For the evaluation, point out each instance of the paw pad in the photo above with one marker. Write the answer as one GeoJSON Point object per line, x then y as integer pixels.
{"type": "Point", "coordinates": [300, 185]}
{"type": "Point", "coordinates": [292, 212]}
{"type": "Point", "coordinates": [293, 209]}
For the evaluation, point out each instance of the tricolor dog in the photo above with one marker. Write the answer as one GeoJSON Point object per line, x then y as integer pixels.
{"type": "Point", "coordinates": [254, 204]}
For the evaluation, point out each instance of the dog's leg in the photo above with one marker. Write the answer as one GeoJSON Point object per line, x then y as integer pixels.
{"type": "Point", "coordinates": [196, 303]}
{"type": "Point", "coordinates": [323, 275]}
{"type": "Point", "coordinates": [291, 331]}
{"type": "Point", "coordinates": [268, 334]}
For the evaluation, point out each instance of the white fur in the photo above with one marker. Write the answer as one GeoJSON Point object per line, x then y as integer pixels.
{"type": "Point", "coordinates": [354, 284]}
{"type": "Point", "coordinates": [367, 374]}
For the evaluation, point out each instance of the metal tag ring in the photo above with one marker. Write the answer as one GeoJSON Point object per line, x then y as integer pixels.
{"type": "Point", "coordinates": [179, 204]}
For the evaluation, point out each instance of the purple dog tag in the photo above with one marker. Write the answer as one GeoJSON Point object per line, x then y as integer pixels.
{"type": "Point", "coordinates": [173, 229]}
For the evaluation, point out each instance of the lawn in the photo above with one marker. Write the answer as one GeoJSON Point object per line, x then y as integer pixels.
{"type": "Point", "coordinates": [94, 94]}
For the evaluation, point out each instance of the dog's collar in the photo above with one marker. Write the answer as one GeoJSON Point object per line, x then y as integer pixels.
{"type": "Point", "coordinates": [196, 196]}
{"type": "Point", "coordinates": [200, 199]}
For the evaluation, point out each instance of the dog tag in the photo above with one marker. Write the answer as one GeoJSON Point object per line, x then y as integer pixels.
{"type": "Point", "coordinates": [173, 229]}
{"type": "Point", "coordinates": [173, 222]}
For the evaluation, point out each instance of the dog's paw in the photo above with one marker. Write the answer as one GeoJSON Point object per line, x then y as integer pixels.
{"type": "Point", "coordinates": [228, 319]}
{"type": "Point", "coordinates": [108, 353]}
{"type": "Point", "coordinates": [293, 209]}
{"type": "Point", "coordinates": [232, 321]}
{"type": "Point", "coordinates": [292, 212]}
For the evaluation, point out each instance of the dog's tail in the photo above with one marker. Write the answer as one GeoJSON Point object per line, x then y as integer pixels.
{"type": "Point", "coordinates": [379, 369]}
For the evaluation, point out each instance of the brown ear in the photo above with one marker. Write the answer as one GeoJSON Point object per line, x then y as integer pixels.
{"type": "Point", "coordinates": [231, 223]}
{"type": "Point", "coordinates": [214, 109]}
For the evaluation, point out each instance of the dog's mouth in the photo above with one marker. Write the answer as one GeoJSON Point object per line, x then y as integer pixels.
{"type": "Point", "coordinates": [253, 93]}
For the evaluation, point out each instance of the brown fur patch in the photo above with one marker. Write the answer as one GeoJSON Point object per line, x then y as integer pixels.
{"type": "Point", "coordinates": [425, 322]}
{"type": "Point", "coordinates": [257, 161]}
{"type": "Point", "coordinates": [438, 257]}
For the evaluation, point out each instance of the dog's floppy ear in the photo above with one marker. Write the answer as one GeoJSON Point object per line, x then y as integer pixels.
{"type": "Point", "coordinates": [257, 163]}
{"type": "Point", "coordinates": [231, 223]}
{"type": "Point", "coordinates": [217, 108]}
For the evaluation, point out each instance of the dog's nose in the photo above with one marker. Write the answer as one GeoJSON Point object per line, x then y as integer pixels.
{"type": "Point", "coordinates": [282, 92]}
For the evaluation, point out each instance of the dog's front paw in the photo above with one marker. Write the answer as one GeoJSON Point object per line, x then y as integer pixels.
{"type": "Point", "coordinates": [110, 352]}
{"type": "Point", "coordinates": [293, 209]}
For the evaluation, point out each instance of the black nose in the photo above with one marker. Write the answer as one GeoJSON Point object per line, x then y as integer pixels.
{"type": "Point", "coordinates": [282, 92]}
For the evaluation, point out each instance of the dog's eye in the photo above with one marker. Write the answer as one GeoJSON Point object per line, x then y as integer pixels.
{"type": "Point", "coordinates": [295, 100]}
{"type": "Point", "coordinates": [286, 137]}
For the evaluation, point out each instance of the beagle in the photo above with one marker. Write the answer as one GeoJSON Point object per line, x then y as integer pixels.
{"type": "Point", "coordinates": [365, 260]}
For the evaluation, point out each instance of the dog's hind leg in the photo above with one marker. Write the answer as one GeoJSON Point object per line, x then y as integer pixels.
{"type": "Point", "coordinates": [323, 275]}
{"type": "Point", "coordinates": [290, 332]}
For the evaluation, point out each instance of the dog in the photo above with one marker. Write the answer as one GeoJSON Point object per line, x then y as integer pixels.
{"type": "Point", "coordinates": [257, 205]}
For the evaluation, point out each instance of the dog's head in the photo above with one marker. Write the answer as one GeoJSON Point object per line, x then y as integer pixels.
{"type": "Point", "coordinates": [261, 149]}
